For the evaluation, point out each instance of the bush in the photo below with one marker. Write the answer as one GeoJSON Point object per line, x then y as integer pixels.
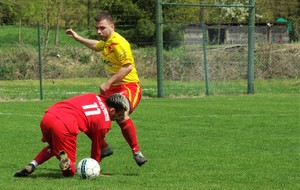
{"type": "Point", "coordinates": [172, 36]}
{"type": "Point", "coordinates": [181, 64]}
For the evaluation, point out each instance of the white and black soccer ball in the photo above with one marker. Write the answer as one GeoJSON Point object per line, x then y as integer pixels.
{"type": "Point", "coordinates": [88, 168]}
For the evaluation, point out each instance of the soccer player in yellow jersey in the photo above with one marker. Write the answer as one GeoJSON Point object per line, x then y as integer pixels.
{"type": "Point", "coordinates": [123, 78]}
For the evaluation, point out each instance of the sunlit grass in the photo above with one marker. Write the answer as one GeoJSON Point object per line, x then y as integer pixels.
{"type": "Point", "coordinates": [216, 142]}
{"type": "Point", "coordinates": [64, 88]}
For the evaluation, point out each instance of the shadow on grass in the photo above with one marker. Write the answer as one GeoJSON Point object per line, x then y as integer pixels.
{"type": "Point", "coordinates": [117, 174]}
{"type": "Point", "coordinates": [56, 174]}
{"type": "Point", "coordinates": [47, 173]}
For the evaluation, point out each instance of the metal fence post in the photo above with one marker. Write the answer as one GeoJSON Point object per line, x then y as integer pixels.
{"type": "Point", "coordinates": [251, 31]}
{"type": "Point", "coordinates": [40, 61]}
{"type": "Point", "coordinates": [204, 58]}
{"type": "Point", "coordinates": [159, 49]}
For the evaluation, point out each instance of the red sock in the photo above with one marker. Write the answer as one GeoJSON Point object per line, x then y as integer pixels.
{"type": "Point", "coordinates": [129, 133]}
{"type": "Point", "coordinates": [44, 155]}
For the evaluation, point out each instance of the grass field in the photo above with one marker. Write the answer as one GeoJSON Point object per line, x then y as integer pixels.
{"type": "Point", "coordinates": [211, 142]}
{"type": "Point", "coordinates": [12, 35]}
{"type": "Point", "coordinates": [56, 89]}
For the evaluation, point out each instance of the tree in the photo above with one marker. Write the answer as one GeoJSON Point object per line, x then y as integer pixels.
{"type": "Point", "coordinates": [7, 12]}
{"type": "Point", "coordinates": [133, 17]}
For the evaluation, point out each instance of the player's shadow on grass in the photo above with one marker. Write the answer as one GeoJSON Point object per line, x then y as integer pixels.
{"type": "Point", "coordinates": [111, 174]}
{"type": "Point", "coordinates": [47, 173]}
{"type": "Point", "coordinates": [131, 174]}
{"type": "Point", "coordinates": [118, 174]}
{"type": "Point", "coordinates": [56, 174]}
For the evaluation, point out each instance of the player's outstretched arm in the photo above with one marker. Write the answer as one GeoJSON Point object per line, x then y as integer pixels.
{"type": "Point", "coordinates": [90, 43]}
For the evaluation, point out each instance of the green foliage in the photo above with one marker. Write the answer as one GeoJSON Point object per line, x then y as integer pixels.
{"type": "Point", "coordinates": [6, 72]}
{"type": "Point", "coordinates": [173, 36]}
{"type": "Point", "coordinates": [7, 14]}
{"type": "Point", "coordinates": [31, 11]}
{"type": "Point", "coordinates": [136, 14]}
{"type": "Point", "coordinates": [182, 62]}
{"type": "Point", "coordinates": [145, 30]}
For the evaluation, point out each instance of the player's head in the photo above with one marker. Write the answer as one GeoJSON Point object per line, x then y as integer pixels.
{"type": "Point", "coordinates": [105, 25]}
{"type": "Point", "coordinates": [104, 15]}
{"type": "Point", "coordinates": [117, 105]}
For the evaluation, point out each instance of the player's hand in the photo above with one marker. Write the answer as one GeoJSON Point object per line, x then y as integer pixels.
{"type": "Point", "coordinates": [104, 87]}
{"type": "Point", "coordinates": [71, 33]}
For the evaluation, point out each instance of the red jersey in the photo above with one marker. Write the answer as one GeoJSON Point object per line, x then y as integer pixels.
{"type": "Point", "coordinates": [86, 113]}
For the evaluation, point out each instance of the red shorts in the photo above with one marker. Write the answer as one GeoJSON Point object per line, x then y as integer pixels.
{"type": "Point", "coordinates": [58, 136]}
{"type": "Point", "coordinates": [132, 91]}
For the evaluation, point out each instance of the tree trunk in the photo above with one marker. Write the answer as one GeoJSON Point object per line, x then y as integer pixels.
{"type": "Point", "coordinates": [56, 30]}
{"type": "Point", "coordinates": [20, 33]}
{"type": "Point", "coordinates": [47, 27]}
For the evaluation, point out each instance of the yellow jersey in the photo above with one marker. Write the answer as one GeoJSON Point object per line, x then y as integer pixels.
{"type": "Point", "coordinates": [116, 52]}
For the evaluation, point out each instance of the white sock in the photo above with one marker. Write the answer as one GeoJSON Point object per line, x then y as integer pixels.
{"type": "Point", "coordinates": [34, 163]}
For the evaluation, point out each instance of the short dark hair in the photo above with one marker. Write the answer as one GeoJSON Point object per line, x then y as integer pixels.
{"type": "Point", "coordinates": [104, 15]}
{"type": "Point", "coordinates": [118, 102]}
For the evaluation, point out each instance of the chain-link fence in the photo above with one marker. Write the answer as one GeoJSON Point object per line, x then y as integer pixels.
{"type": "Point", "coordinates": [276, 57]}
{"type": "Point", "coordinates": [276, 53]}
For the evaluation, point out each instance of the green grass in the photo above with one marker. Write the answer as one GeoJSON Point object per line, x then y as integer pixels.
{"type": "Point", "coordinates": [12, 35]}
{"type": "Point", "coordinates": [63, 88]}
{"type": "Point", "coordinates": [211, 142]}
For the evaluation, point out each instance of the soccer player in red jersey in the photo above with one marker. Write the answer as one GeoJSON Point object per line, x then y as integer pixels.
{"type": "Point", "coordinates": [119, 63]}
{"type": "Point", "coordinates": [63, 121]}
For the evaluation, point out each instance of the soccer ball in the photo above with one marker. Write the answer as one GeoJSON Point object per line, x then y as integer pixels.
{"type": "Point", "coordinates": [88, 168]}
